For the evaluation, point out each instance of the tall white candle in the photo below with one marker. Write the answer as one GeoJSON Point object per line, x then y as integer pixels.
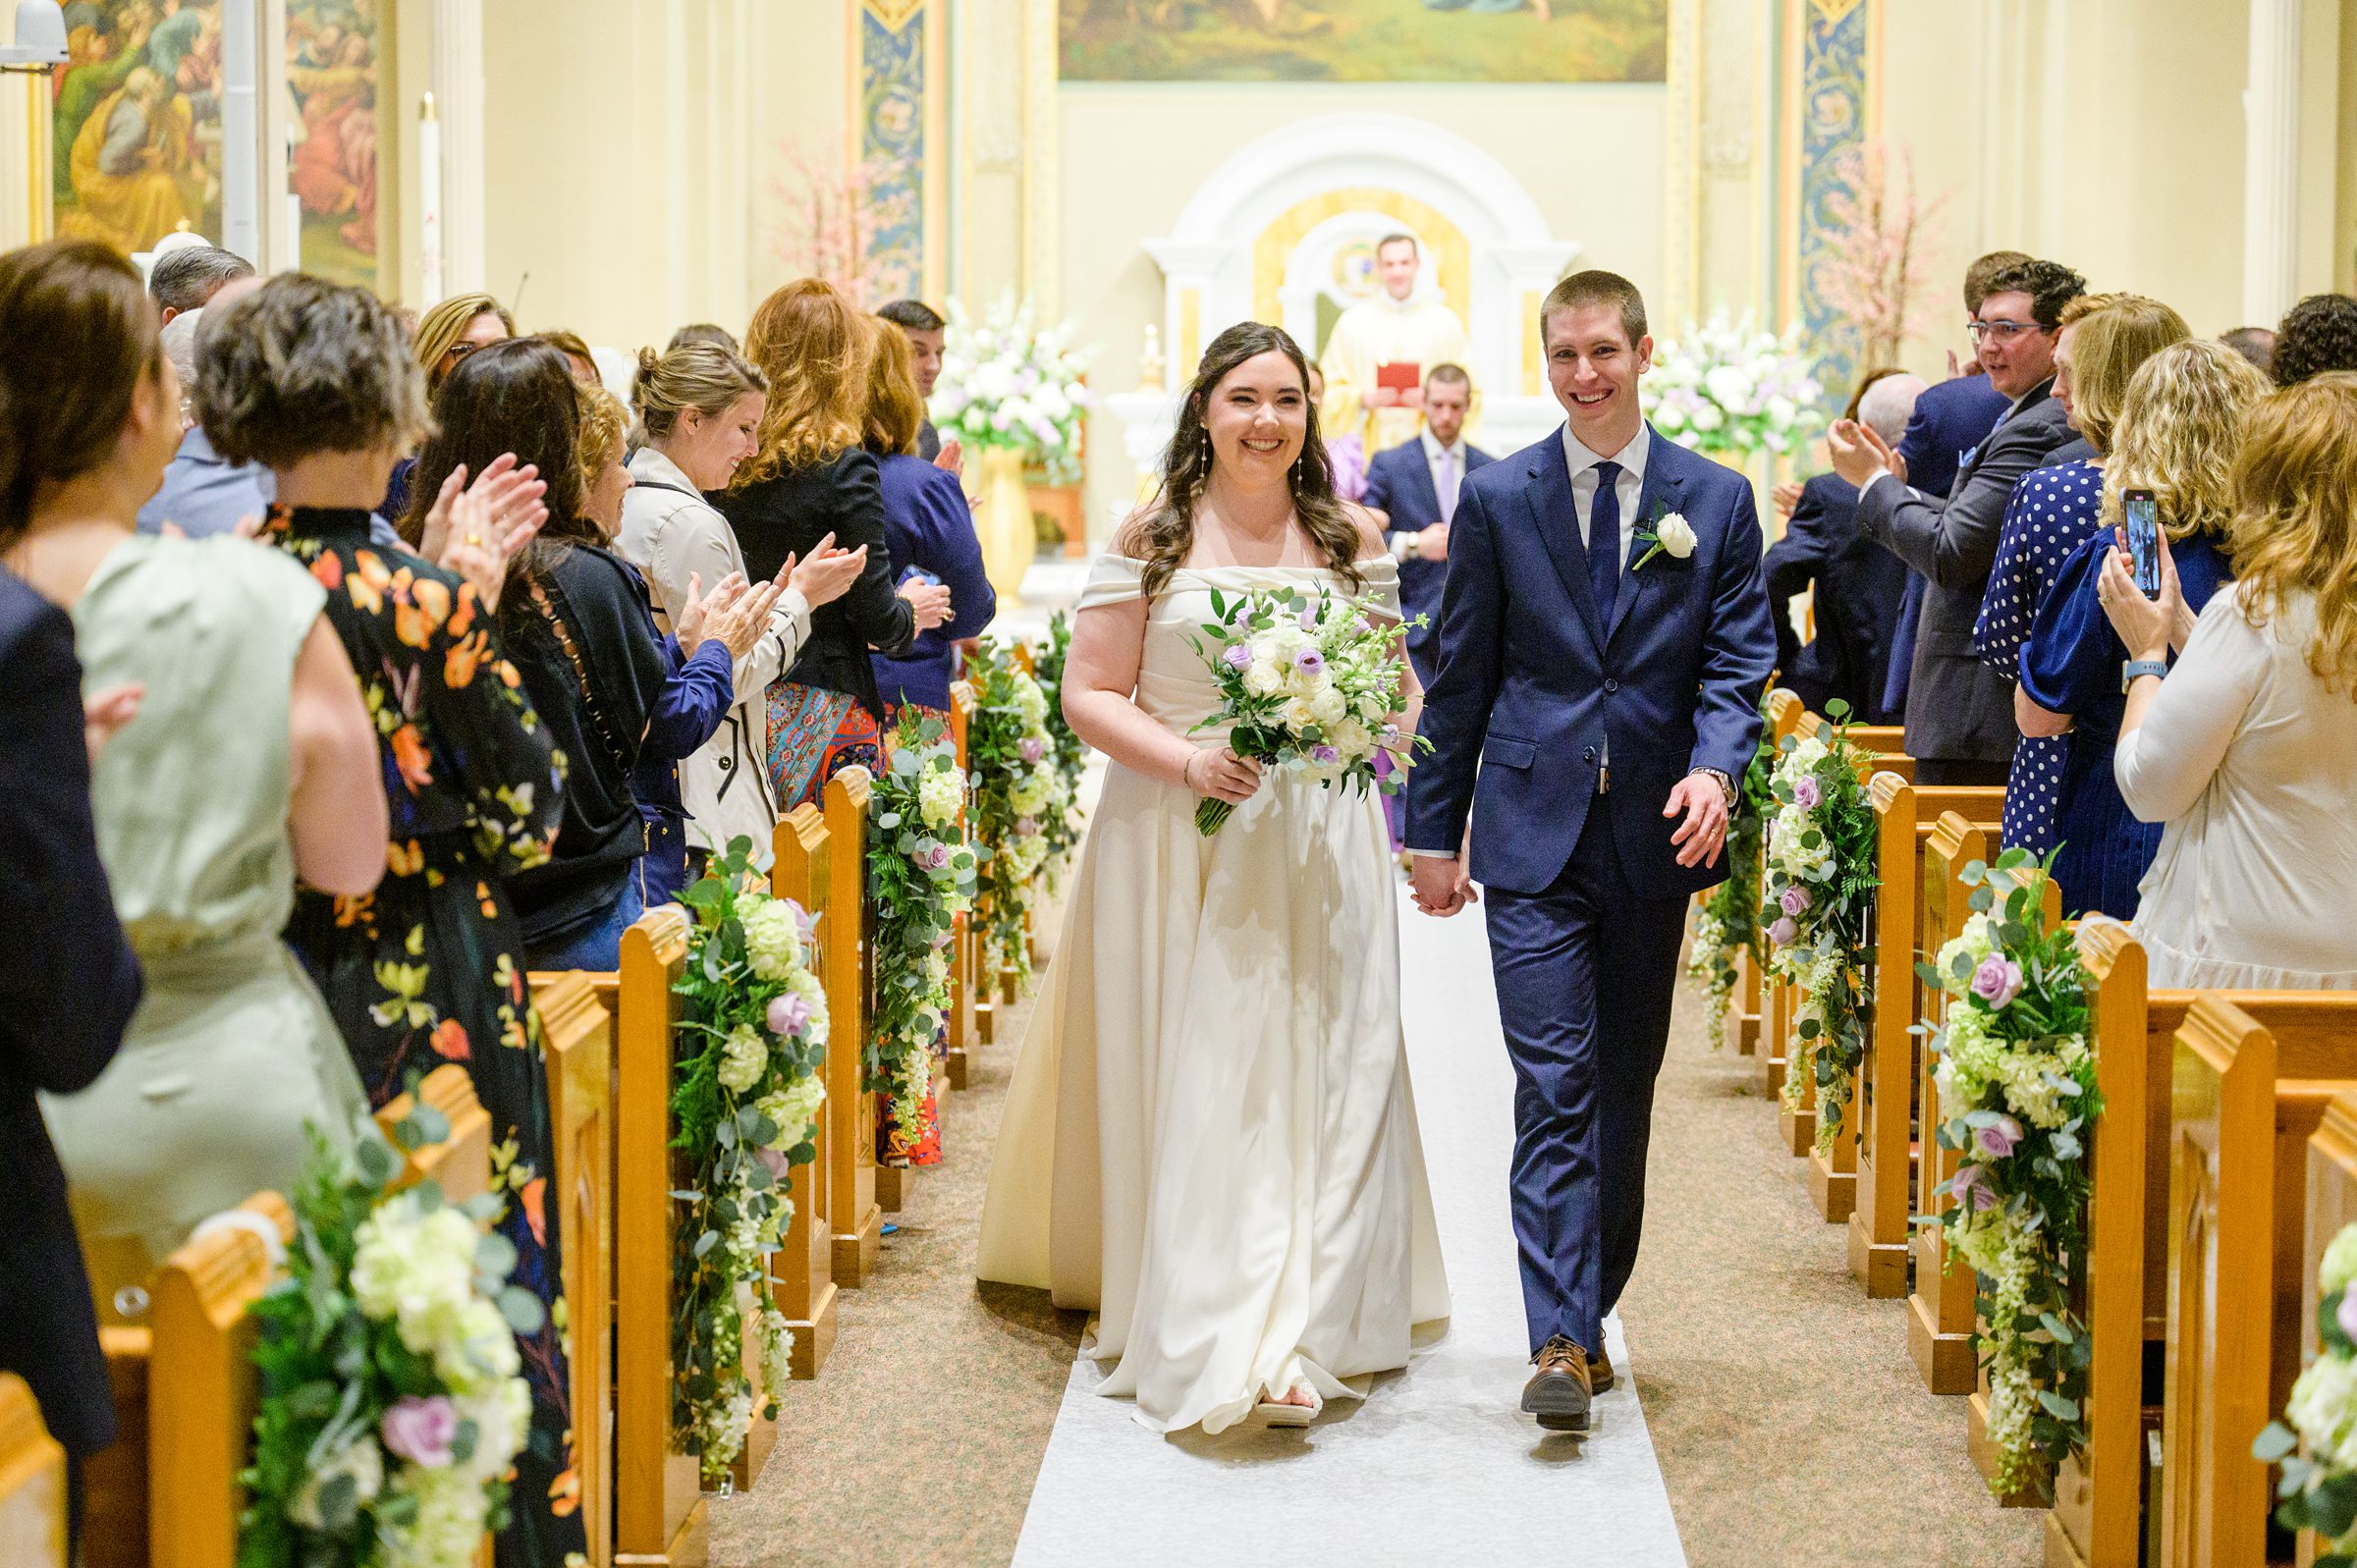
{"type": "Point", "coordinates": [429, 204]}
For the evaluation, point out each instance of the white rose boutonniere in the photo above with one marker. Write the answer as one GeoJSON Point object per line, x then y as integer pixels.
{"type": "Point", "coordinates": [1671, 535]}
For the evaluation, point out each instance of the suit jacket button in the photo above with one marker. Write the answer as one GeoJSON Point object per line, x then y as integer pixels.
{"type": "Point", "coordinates": [1587, 754]}
{"type": "Point", "coordinates": [1610, 684]}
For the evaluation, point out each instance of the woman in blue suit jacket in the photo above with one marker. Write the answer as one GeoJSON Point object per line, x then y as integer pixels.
{"type": "Point", "coordinates": [930, 530]}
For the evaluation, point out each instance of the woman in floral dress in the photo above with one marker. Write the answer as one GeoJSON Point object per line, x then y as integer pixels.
{"type": "Point", "coordinates": [316, 381]}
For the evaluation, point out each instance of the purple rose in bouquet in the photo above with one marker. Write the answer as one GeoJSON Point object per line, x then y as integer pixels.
{"type": "Point", "coordinates": [423, 1431]}
{"type": "Point", "coordinates": [1324, 756]}
{"type": "Point", "coordinates": [2000, 1138]}
{"type": "Point", "coordinates": [1237, 657]}
{"type": "Point", "coordinates": [1794, 900]}
{"type": "Point", "coordinates": [1807, 793]}
{"type": "Point", "coordinates": [1033, 748]}
{"type": "Point", "coordinates": [1026, 827]}
{"type": "Point", "coordinates": [789, 1015]}
{"type": "Point", "coordinates": [1998, 980]}
{"type": "Point", "coordinates": [933, 856]}
{"type": "Point", "coordinates": [1970, 1187]}
{"type": "Point", "coordinates": [1783, 932]}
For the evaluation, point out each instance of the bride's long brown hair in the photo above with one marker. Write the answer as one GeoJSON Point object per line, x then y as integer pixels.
{"type": "Point", "coordinates": [1161, 535]}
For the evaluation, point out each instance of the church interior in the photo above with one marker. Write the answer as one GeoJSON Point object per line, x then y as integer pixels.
{"type": "Point", "coordinates": [1099, 188]}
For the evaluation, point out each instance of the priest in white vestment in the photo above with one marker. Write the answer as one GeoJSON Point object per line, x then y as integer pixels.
{"type": "Point", "coordinates": [1381, 350]}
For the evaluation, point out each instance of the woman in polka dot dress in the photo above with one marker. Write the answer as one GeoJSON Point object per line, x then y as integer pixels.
{"type": "Point", "coordinates": [2105, 338]}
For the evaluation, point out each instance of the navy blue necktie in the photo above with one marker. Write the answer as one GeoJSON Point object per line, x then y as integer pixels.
{"type": "Point", "coordinates": [1604, 539]}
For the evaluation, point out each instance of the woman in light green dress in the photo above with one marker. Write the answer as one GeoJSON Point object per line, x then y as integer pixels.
{"type": "Point", "coordinates": [249, 759]}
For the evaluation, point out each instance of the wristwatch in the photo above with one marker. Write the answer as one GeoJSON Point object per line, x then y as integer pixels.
{"type": "Point", "coordinates": [2129, 671]}
{"type": "Point", "coordinates": [1727, 784]}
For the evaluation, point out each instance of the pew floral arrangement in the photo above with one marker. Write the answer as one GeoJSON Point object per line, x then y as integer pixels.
{"type": "Point", "coordinates": [1727, 921]}
{"type": "Point", "coordinates": [1308, 687]}
{"type": "Point", "coordinates": [1007, 383]}
{"type": "Point", "coordinates": [2017, 1091]}
{"type": "Point", "coordinates": [2319, 1489]}
{"type": "Point", "coordinates": [1731, 390]}
{"type": "Point", "coordinates": [921, 874]}
{"type": "Point", "coordinates": [746, 1093]}
{"type": "Point", "coordinates": [1067, 750]}
{"type": "Point", "coordinates": [1817, 882]}
{"type": "Point", "coordinates": [391, 1406]}
{"type": "Point", "coordinates": [1017, 791]}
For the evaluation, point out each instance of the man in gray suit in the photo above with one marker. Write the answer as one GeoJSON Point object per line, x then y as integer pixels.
{"type": "Point", "coordinates": [1959, 711]}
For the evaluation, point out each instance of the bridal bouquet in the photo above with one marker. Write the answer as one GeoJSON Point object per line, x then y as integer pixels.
{"type": "Point", "coordinates": [2319, 1489]}
{"type": "Point", "coordinates": [2017, 1097]}
{"type": "Point", "coordinates": [1308, 686]}
{"type": "Point", "coordinates": [391, 1407]}
{"type": "Point", "coordinates": [746, 1086]}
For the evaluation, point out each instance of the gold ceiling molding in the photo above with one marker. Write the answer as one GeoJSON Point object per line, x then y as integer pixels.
{"type": "Point", "coordinates": [1834, 10]}
{"type": "Point", "coordinates": [894, 13]}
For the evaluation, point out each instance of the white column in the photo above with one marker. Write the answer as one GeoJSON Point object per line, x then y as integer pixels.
{"type": "Point", "coordinates": [458, 101]}
{"type": "Point", "coordinates": [241, 219]}
{"type": "Point", "coordinates": [2271, 110]}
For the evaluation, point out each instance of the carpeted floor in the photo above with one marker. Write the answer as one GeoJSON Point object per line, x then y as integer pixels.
{"type": "Point", "coordinates": [1789, 1425]}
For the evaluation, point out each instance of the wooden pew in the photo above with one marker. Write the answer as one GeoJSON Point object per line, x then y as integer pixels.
{"type": "Point", "coordinates": [32, 1483]}
{"type": "Point", "coordinates": [1942, 1308]}
{"type": "Point", "coordinates": [803, 1277]}
{"type": "Point", "coordinates": [2332, 1206]}
{"type": "Point", "coordinates": [849, 972]}
{"type": "Point", "coordinates": [2245, 1097]}
{"type": "Point", "coordinates": [659, 1515]}
{"type": "Point", "coordinates": [970, 1018]}
{"type": "Point", "coordinates": [1882, 1102]}
{"type": "Point", "coordinates": [166, 1495]}
{"type": "Point", "coordinates": [576, 1030]}
{"type": "Point", "coordinates": [1889, 744]}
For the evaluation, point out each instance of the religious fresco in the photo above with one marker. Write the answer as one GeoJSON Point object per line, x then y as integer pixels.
{"type": "Point", "coordinates": [332, 81]}
{"type": "Point", "coordinates": [1364, 40]}
{"type": "Point", "coordinates": [893, 87]}
{"type": "Point", "coordinates": [136, 120]}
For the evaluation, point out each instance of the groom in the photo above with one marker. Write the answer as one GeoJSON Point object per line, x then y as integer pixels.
{"type": "Point", "coordinates": [1604, 639]}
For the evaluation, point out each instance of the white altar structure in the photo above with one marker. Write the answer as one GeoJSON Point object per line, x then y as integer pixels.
{"type": "Point", "coordinates": [1285, 231]}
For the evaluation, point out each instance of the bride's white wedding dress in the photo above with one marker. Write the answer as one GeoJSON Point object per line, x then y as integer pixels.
{"type": "Point", "coordinates": [1210, 1138]}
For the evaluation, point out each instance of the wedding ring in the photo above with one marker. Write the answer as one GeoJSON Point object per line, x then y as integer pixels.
{"type": "Point", "coordinates": [474, 538]}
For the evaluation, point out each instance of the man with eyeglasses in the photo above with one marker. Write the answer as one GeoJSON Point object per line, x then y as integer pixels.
{"type": "Point", "coordinates": [1959, 712]}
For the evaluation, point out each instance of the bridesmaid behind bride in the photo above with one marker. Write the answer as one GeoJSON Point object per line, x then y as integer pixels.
{"type": "Point", "coordinates": [1210, 1138]}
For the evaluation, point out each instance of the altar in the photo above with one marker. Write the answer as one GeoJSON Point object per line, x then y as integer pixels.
{"type": "Point", "coordinates": [1284, 232]}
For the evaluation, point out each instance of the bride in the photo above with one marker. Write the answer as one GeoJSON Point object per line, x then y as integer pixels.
{"type": "Point", "coordinates": [1210, 1139]}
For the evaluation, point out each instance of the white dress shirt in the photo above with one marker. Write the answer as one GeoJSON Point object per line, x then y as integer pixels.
{"type": "Point", "coordinates": [1447, 466]}
{"type": "Point", "coordinates": [1629, 487]}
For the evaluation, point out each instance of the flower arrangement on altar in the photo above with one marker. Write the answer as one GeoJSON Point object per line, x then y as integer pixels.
{"type": "Point", "coordinates": [746, 1088]}
{"type": "Point", "coordinates": [1066, 750]}
{"type": "Point", "coordinates": [2319, 1489]}
{"type": "Point", "coordinates": [1017, 791]}
{"type": "Point", "coordinates": [1310, 687]}
{"type": "Point", "coordinates": [1004, 383]}
{"type": "Point", "coordinates": [1728, 923]}
{"type": "Point", "coordinates": [1818, 882]}
{"type": "Point", "coordinates": [921, 875]}
{"type": "Point", "coordinates": [2017, 1091]}
{"type": "Point", "coordinates": [391, 1407]}
{"type": "Point", "coordinates": [1728, 390]}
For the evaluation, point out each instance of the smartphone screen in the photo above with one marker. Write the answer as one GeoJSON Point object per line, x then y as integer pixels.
{"type": "Point", "coordinates": [2144, 540]}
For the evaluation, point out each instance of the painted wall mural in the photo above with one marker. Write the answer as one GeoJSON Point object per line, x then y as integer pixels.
{"type": "Point", "coordinates": [891, 128]}
{"type": "Point", "coordinates": [1364, 40]}
{"type": "Point", "coordinates": [136, 120]}
{"type": "Point", "coordinates": [332, 83]}
{"type": "Point", "coordinates": [1832, 112]}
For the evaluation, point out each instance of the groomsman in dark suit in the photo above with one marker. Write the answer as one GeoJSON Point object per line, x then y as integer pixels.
{"type": "Point", "coordinates": [68, 986]}
{"type": "Point", "coordinates": [927, 334]}
{"type": "Point", "coordinates": [1859, 585]}
{"type": "Point", "coordinates": [1959, 711]}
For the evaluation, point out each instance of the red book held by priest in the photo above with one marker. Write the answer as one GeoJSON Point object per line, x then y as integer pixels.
{"type": "Point", "coordinates": [1400, 375]}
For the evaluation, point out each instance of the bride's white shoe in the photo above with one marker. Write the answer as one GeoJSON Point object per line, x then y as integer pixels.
{"type": "Point", "coordinates": [1278, 1413]}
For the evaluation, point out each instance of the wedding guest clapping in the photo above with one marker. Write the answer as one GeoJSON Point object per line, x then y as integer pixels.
{"type": "Point", "coordinates": [2246, 750]}
{"type": "Point", "coordinates": [252, 762]}
{"type": "Point", "coordinates": [318, 383]}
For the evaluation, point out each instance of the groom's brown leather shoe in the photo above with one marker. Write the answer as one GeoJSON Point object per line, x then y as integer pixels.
{"type": "Point", "coordinates": [1558, 1392]}
{"type": "Point", "coordinates": [1600, 1372]}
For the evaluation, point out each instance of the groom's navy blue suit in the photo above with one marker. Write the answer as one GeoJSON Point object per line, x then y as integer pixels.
{"type": "Point", "coordinates": [1539, 684]}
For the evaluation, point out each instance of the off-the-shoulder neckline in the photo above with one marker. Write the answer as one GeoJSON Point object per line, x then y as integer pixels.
{"type": "Point", "coordinates": [1237, 565]}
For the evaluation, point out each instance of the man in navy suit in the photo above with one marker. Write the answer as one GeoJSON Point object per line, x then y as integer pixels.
{"type": "Point", "coordinates": [1604, 641]}
{"type": "Point", "coordinates": [1416, 484]}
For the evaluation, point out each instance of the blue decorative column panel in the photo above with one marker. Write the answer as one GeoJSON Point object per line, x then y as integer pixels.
{"type": "Point", "coordinates": [1830, 110]}
{"type": "Point", "coordinates": [898, 88]}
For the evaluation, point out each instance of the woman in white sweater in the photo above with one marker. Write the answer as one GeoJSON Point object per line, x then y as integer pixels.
{"type": "Point", "coordinates": [699, 406]}
{"type": "Point", "coordinates": [2248, 749]}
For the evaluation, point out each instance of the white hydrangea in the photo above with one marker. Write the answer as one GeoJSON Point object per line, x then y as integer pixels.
{"type": "Point", "coordinates": [477, 1348]}
{"type": "Point", "coordinates": [744, 1056]}
{"type": "Point", "coordinates": [361, 1460]}
{"type": "Point", "coordinates": [2322, 1408]}
{"type": "Point", "coordinates": [1032, 790]}
{"type": "Point", "coordinates": [502, 1413]}
{"type": "Point", "coordinates": [448, 1526]}
{"type": "Point", "coordinates": [415, 1268]}
{"type": "Point", "coordinates": [1031, 703]}
{"type": "Point", "coordinates": [773, 938]}
{"type": "Point", "coordinates": [1977, 940]}
{"type": "Point", "coordinates": [794, 1109]}
{"type": "Point", "coordinates": [2339, 1264]}
{"type": "Point", "coordinates": [940, 793]}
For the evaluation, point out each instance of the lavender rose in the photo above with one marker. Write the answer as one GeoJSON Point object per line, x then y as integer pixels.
{"type": "Point", "coordinates": [1309, 662]}
{"type": "Point", "coordinates": [2348, 1313]}
{"type": "Point", "coordinates": [1237, 656]}
{"type": "Point", "coordinates": [933, 856]}
{"type": "Point", "coordinates": [1783, 932]}
{"type": "Point", "coordinates": [1026, 827]}
{"type": "Point", "coordinates": [1324, 756]}
{"type": "Point", "coordinates": [1998, 980]}
{"type": "Point", "coordinates": [1033, 748]}
{"type": "Point", "coordinates": [1795, 900]}
{"type": "Point", "coordinates": [422, 1431]}
{"type": "Point", "coordinates": [1970, 1186]}
{"type": "Point", "coordinates": [1806, 792]}
{"type": "Point", "coordinates": [2000, 1138]}
{"type": "Point", "coordinates": [789, 1015]}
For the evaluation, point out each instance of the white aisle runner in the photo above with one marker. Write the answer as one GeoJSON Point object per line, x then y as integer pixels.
{"type": "Point", "coordinates": [1435, 1467]}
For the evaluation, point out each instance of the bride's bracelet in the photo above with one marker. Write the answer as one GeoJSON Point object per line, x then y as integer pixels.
{"type": "Point", "coordinates": [1186, 770]}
